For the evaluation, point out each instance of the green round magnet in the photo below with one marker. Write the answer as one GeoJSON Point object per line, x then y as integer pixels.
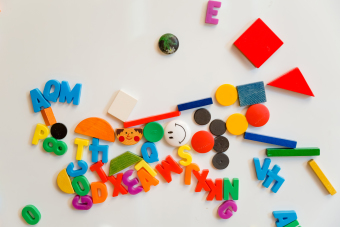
{"type": "Point", "coordinates": [31, 214]}
{"type": "Point", "coordinates": [153, 132]}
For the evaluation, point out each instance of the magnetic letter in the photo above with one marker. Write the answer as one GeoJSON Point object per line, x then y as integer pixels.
{"type": "Point", "coordinates": [67, 95]}
{"type": "Point", "coordinates": [284, 217]}
{"type": "Point", "coordinates": [95, 187]}
{"type": "Point", "coordinates": [146, 179]}
{"type": "Point", "coordinates": [261, 172]}
{"type": "Point", "coordinates": [95, 148]}
{"type": "Point", "coordinates": [81, 143]}
{"type": "Point", "coordinates": [271, 176]}
{"type": "Point", "coordinates": [232, 189]}
{"type": "Point", "coordinates": [131, 183]}
{"type": "Point", "coordinates": [143, 164]}
{"type": "Point", "coordinates": [201, 180]}
{"type": "Point", "coordinates": [85, 183]}
{"type": "Point", "coordinates": [38, 100]}
{"type": "Point", "coordinates": [86, 202]}
{"type": "Point", "coordinates": [74, 173]}
{"type": "Point", "coordinates": [55, 94]}
{"type": "Point", "coordinates": [211, 12]}
{"type": "Point", "coordinates": [184, 155]}
{"type": "Point", "coordinates": [117, 183]}
{"type": "Point", "coordinates": [154, 154]}
{"type": "Point", "coordinates": [31, 214]}
{"type": "Point", "coordinates": [169, 165]}
{"type": "Point", "coordinates": [188, 170]}
{"type": "Point", "coordinates": [98, 168]}
{"type": "Point", "coordinates": [215, 189]}
{"type": "Point", "coordinates": [41, 132]}
{"type": "Point", "coordinates": [223, 210]}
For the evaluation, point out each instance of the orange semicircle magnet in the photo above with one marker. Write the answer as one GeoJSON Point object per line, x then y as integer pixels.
{"type": "Point", "coordinates": [97, 128]}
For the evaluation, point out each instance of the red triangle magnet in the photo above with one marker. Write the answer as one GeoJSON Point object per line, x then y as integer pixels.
{"type": "Point", "coordinates": [293, 81]}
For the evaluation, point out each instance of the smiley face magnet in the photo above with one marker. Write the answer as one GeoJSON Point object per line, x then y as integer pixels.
{"type": "Point", "coordinates": [129, 136]}
{"type": "Point", "coordinates": [177, 133]}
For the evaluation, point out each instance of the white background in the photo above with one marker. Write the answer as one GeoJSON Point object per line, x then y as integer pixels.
{"type": "Point", "coordinates": [109, 45]}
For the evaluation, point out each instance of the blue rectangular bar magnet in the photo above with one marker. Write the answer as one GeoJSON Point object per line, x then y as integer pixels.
{"type": "Point", "coordinates": [195, 104]}
{"type": "Point", "coordinates": [270, 140]}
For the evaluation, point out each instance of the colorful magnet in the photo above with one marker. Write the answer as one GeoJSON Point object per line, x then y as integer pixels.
{"type": "Point", "coordinates": [177, 133]}
{"type": "Point", "coordinates": [85, 185]}
{"type": "Point", "coordinates": [86, 202]}
{"type": "Point", "coordinates": [74, 173]}
{"type": "Point", "coordinates": [220, 161]}
{"type": "Point", "coordinates": [66, 94]}
{"type": "Point", "coordinates": [52, 145]}
{"type": "Point", "coordinates": [153, 157]}
{"type": "Point", "coordinates": [153, 132]}
{"type": "Point", "coordinates": [188, 170]}
{"type": "Point", "coordinates": [168, 166]}
{"type": "Point", "coordinates": [217, 127]}
{"type": "Point", "coordinates": [98, 168]}
{"type": "Point", "coordinates": [237, 124]}
{"type": "Point", "coordinates": [211, 12]}
{"type": "Point", "coordinates": [38, 100]}
{"type": "Point", "coordinates": [168, 43]}
{"type": "Point", "coordinates": [58, 131]}
{"type": "Point", "coordinates": [53, 97]}
{"type": "Point", "coordinates": [117, 183]}
{"type": "Point", "coordinates": [202, 141]}
{"type": "Point", "coordinates": [187, 158]}
{"type": "Point", "coordinates": [96, 148]}
{"type": "Point", "coordinates": [31, 214]}
{"type": "Point", "coordinates": [226, 94]}
{"type": "Point", "coordinates": [131, 183]}
{"type": "Point", "coordinates": [224, 211]}
{"type": "Point", "coordinates": [146, 179]}
{"type": "Point", "coordinates": [96, 196]}
{"type": "Point", "coordinates": [40, 133]}
{"type": "Point", "coordinates": [257, 115]}
{"type": "Point", "coordinates": [64, 182]}
{"type": "Point", "coordinates": [97, 128]}
{"type": "Point", "coordinates": [284, 217]}
{"type": "Point", "coordinates": [195, 104]}
{"type": "Point", "coordinates": [81, 143]}
{"type": "Point", "coordinates": [258, 43]}
{"type": "Point", "coordinates": [123, 161]}
{"type": "Point", "coordinates": [122, 106]}
{"type": "Point", "coordinates": [129, 136]}
{"type": "Point", "coordinates": [221, 144]}
{"type": "Point", "coordinates": [202, 116]}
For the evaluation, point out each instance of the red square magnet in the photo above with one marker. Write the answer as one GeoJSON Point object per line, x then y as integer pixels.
{"type": "Point", "coordinates": [258, 43]}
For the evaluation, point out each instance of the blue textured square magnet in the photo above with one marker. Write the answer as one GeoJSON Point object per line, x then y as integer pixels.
{"type": "Point", "coordinates": [250, 94]}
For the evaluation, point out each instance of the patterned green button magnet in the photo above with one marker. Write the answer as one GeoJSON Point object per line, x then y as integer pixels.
{"type": "Point", "coordinates": [153, 132]}
{"type": "Point", "coordinates": [31, 214]}
{"type": "Point", "coordinates": [168, 43]}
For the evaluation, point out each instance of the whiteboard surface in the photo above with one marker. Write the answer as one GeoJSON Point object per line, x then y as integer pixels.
{"type": "Point", "coordinates": [110, 45]}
